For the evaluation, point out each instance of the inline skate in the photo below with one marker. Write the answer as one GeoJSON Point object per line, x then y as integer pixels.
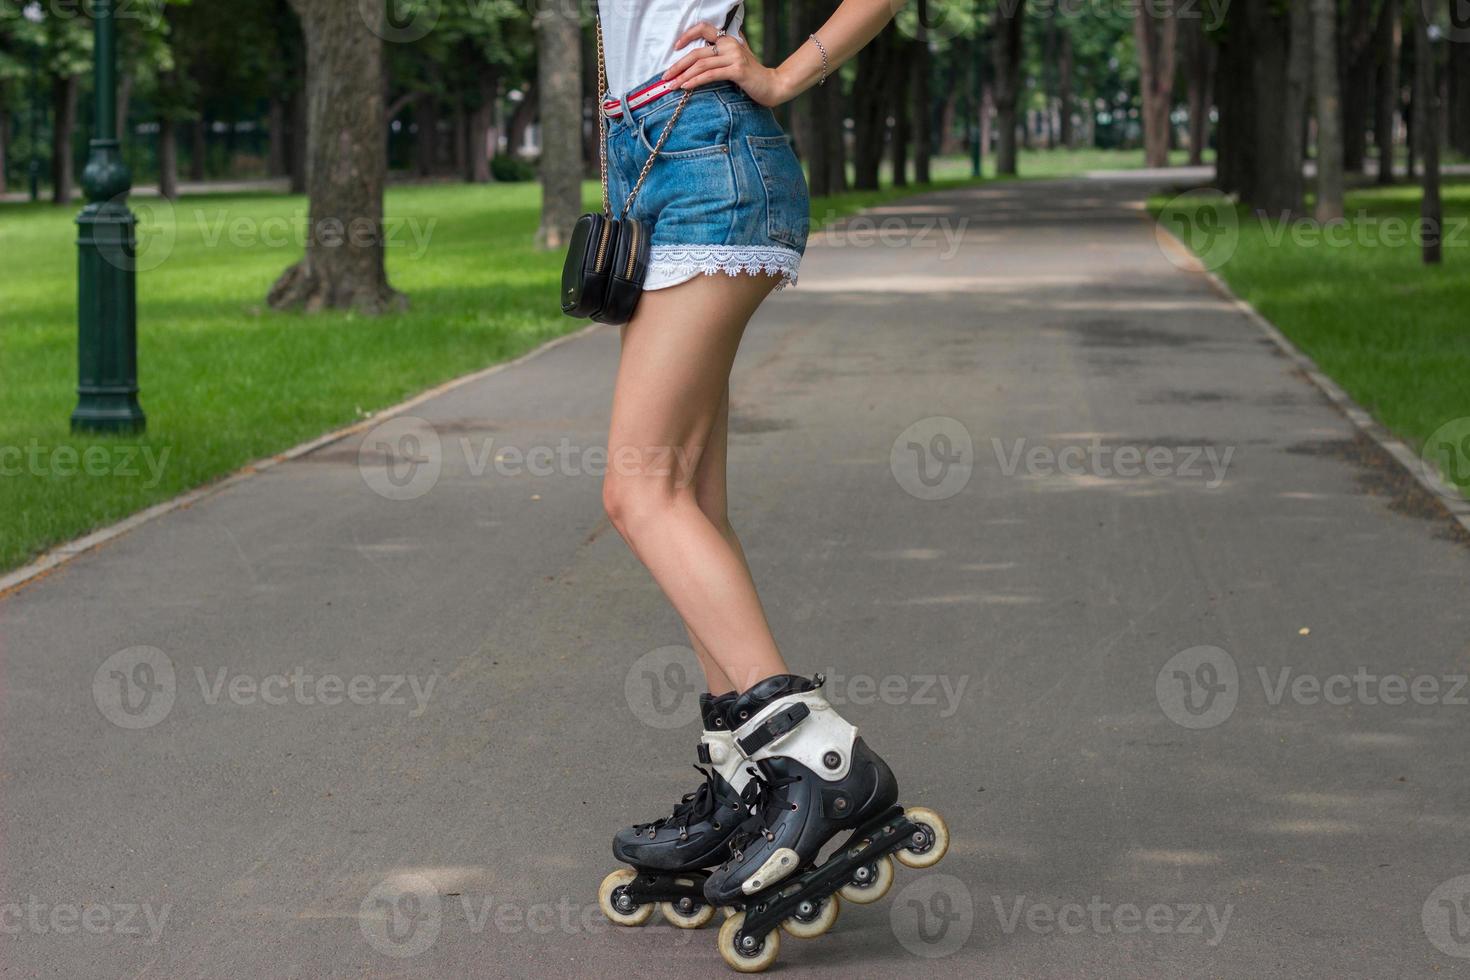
{"type": "Point", "coordinates": [670, 857]}
{"type": "Point", "coordinates": [813, 779]}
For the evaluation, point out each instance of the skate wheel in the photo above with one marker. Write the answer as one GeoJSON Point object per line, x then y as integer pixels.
{"type": "Point", "coordinates": [820, 919]}
{"type": "Point", "coordinates": [870, 882]}
{"type": "Point", "coordinates": [693, 919]}
{"type": "Point", "coordinates": [616, 905]}
{"type": "Point", "coordinates": [925, 854]}
{"type": "Point", "coordinates": [747, 959]}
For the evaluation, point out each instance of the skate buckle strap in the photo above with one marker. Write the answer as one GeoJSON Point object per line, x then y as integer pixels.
{"type": "Point", "coordinates": [774, 727]}
{"type": "Point", "coordinates": [704, 754]}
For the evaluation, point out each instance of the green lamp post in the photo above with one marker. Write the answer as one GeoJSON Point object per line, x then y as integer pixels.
{"type": "Point", "coordinates": [107, 315]}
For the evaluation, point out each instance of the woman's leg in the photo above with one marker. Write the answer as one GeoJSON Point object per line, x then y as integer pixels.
{"type": "Point", "coordinates": [670, 409]}
{"type": "Point", "coordinates": [710, 492]}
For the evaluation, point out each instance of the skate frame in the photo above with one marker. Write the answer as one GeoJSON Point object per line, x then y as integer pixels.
{"type": "Point", "coordinates": [666, 886]}
{"type": "Point", "coordinates": [769, 908]}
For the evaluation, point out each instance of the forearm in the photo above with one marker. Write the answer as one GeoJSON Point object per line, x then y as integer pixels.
{"type": "Point", "coordinates": [852, 25]}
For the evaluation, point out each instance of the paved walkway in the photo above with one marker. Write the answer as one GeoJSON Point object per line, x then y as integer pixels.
{"type": "Point", "coordinates": [371, 726]}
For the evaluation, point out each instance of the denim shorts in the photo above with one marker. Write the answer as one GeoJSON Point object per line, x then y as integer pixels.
{"type": "Point", "coordinates": [726, 193]}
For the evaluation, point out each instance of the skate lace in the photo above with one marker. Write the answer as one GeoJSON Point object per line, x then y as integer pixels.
{"type": "Point", "coordinates": [764, 801]}
{"type": "Point", "coordinates": [694, 807]}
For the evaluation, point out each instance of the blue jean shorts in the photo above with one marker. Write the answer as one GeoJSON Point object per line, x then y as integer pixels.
{"type": "Point", "coordinates": [726, 193]}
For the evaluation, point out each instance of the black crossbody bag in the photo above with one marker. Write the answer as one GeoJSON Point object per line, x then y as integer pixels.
{"type": "Point", "coordinates": [607, 261]}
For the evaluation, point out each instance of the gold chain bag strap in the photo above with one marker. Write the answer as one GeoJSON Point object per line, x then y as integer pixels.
{"type": "Point", "coordinates": [607, 260]}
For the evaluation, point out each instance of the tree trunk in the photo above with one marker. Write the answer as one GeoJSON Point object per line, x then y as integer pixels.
{"type": "Point", "coordinates": [901, 109]}
{"type": "Point", "coordinates": [520, 120]}
{"type": "Point", "coordinates": [64, 120]}
{"type": "Point", "coordinates": [124, 96]}
{"type": "Point", "coordinates": [798, 118]}
{"type": "Point", "coordinates": [1386, 108]}
{"type": "Point", "coordinates": [948, 142]}
{"type": "Point", "coordinates": [482, 122]}
{"type": "Point", "coordinates": [300, 158]}
{"type": "Point", "coordinates": [870, 108]}
{"type": "Point", "coordinates": [775, 48]}
{"type": "Point", "coordinates": [348, 163]}
{"type": "Point", "coordinates": [1282, 179]}
{"type": "Point", "coordinates": [425, 126]}
{"type": "Point", "coordinates": [923, 107]}
{"type": "Point", "coordinates": [559, 80]}
{"type": "Point", "coordinates": [1458, 96]}
{"type": "Point", "coordinates": [1235, 150]}
{"type": "Point", "coordinates": [1426, 131]}
{"type": "Point", "coordinates": [1048, 79]}
{"type": "Point", "coordinates": [1156, 33]}
{"type": "Point", "coordinates": [811, 138]}
{"type": "Point", "coordinates": [795, 18]}
{"type": "Point", "coordinates": [1263, 79]}
{"type": "Point", "coordinates": [987, 120]}
{"type": "Point", "coordinates": [4, 138]}
{"type": "Point", "coordinates": [1065, 135]}
{"type": "Point", "coordinates": [831, 106]}
{"type": "Point", "coordinates": [591, 96]}
{"type": "Point", "coordinates": [1198, 53]}
{"type": "Point", "coordinates": [1009, 17]}
{"type": "Point", "coordinates": [297, 157]}
{"type": "Point", "coordinates": [1356, 64]}
{"type": "Point", "coordinates": [168, 158]}
{"type": "Point", "coordinates": [1357, 102]}
{"type": "Point", "coordinates": [462, 141]}
{"type": "Point", "coordinates": [276, 152]}
{"type": "Point", "coordinates": [819, 117]}
{"type": "Point", "coordinates": [198, 147]}
{"type": "Point", "coordinates": [1329, 112]}
{"type": "Point", "coordinates": [232, 134]}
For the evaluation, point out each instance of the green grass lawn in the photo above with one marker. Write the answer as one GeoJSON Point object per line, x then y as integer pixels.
{"type": "Point", "coordinates": [1358, 300]}
{"type": "Point", "coordinates": [225, 380]}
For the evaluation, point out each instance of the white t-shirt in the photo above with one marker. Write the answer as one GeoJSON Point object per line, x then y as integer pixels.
{"type": "Point", "coordinates": [639, 35]}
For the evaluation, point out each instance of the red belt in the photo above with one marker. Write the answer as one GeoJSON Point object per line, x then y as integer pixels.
{"type": "Point", "coordinates": [613, 108]}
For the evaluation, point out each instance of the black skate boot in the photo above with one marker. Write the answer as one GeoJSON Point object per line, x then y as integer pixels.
{"type": "Point", "coordinates": [670, 857]}
{"type": "Point", "coordinates": [814, 778]}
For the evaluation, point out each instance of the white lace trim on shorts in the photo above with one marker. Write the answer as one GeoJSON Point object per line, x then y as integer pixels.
{"type": "Point", "coordinates": [670, 265]}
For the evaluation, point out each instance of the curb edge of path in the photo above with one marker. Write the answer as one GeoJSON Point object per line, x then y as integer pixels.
{"type": "Point", "coordinates": [1459, 509]}
{"type": "Point", "coordinates": [49, 561]}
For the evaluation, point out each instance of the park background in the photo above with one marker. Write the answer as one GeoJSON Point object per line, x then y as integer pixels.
{"type": "Point", "coordinates": [1332, 133]}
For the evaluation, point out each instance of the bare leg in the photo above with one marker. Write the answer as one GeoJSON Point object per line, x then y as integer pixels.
{"type": "Point", "coordinates": [710, 491]}
{"type": "Point", "coordinates": [670, 409]}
